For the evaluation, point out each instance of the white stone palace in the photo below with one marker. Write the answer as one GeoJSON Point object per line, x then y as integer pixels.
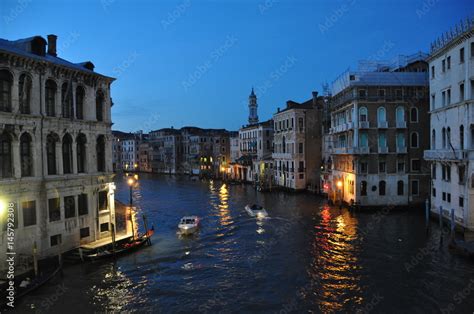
{"type": "Point", "coordinates": [451, 64]}
{"type": "Point", "coordinates": [55, 149]}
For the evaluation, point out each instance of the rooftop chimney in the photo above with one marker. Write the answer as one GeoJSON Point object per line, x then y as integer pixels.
{"type": "Point", "coordinates": [315, 99]}
{"type": "Point", "coordinates": [52, 44]}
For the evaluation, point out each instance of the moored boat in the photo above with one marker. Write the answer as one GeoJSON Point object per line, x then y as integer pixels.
{"type": "Point", "coordinates": [256, 211]}
{"type": "Point", "coordinates": [188, 225]}
{"type": "Point", "coordinates": [108, 251]}
{"type": "Point", "coordinates": [28, 282]}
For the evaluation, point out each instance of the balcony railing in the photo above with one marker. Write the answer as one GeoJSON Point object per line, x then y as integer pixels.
{"type": "Point", "coordinates": [401, 125]}
{"type": "Point", "coordinates": [401, 149]}
{"type": "Point", "coordinates": [339, 100]}
{"type": "Point", "coordinates": [447, 154]}
{"type": "Point", "coordinates": [383, 150]}
{"type": "Point", "coordinates": [364, 124]}
{"type": "Point", "coordinates": [382, 124]}
{"type": "Point", "coordinates": [362, 150]}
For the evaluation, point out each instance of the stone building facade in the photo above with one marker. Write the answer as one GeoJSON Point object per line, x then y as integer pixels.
{"type": "Point", "coordinates": [379, 123]}
{"type": "Point", "coordinates": [297, 145]}
{"type": "Point", "coordinates": [451, 80]}
{"type": "Point", "coordinates": [55, 148]}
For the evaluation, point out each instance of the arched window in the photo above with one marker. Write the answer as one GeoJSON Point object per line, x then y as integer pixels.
{"type": "Point", "coordinates": [414, 114]}
{"type": "Point", "coordinates": [67, 154]}
{"type": "Point", "coordinates": [461, 136]}
{"type": "Point", "coordinates": [363, 114]}
{"type": "Point", "coordinates": [80, 93]}
{"type": "Point", "coordinates": [6, 165]}
{"type": "Point", "coordinates": [81, 153]}
{"type": "Point", "coordinates": [381, 114]}
{"type": "Point", "coordinates": [51, 153]}
{"type": "Point", "coordinates": [284, 145]}
{"type": "Point", "coordinates": [50, 98]}
{"type": "Point", "coordinates": [99, 106]}
{"type": "Point", "coordinates": [363, 188]}
{"type": "Point", "coordinates": [6, 81]}
{"type": "Point", "coordinates": [414, 140]}
{"type": "Point", "coordinates": [400, 114]}
{"type": "Point", "coordinates": [66, 100]}
{"type": "Point", "coordinates": [26, 156]}
{"type": "Point", "coordinates": [448, 137]}
{"type": "Point", "coordinates": [444, 138]}
{"type": "Point", "coordinates": [433, 139]}
{"type": "Point", "coordinates": [24, 93]}
{"type": "Point", "coordinates": [400, 188]}
{"type": "Point", "coordinates": [100, 149]}
{"type": "Point", "coordinates": [382, 185]}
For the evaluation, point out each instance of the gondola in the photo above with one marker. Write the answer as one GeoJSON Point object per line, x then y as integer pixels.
{"type": "Point", "coordinates": [108, 251]}
{"type": "Point", "coordinates": [24, 285]}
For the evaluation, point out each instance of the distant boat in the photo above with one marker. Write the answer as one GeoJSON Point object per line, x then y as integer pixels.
{"type": "Point", "coordinates": [188, 225]}
{"type": "Point", "coordinates": [256, 211]}
{"type": "Point", "coordinates": [109, 251]}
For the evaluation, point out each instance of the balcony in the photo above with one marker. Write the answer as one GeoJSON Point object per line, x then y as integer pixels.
{"type": "Point", "coordinates": [339, 150]}
{"type": "Point", "coordinates": [382, 124]}
{"type": "Point", "coordinates": [401, 125]}
{"type": "Point", "coordinates": [364, 124]}
{"type": "Point", "coordinates": [447, 154]}
{"type": "Point", "coordinates": [361, 150]}
{"type": "Point", "coordinates": [383, 150]}
{"type": "Point", "coordinates": [401, 149]}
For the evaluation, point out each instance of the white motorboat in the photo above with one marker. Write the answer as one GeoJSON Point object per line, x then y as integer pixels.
{"type": "Point", "coordinates": [188, 224]}
{"type": "Point", "coordinates": [256, 211]}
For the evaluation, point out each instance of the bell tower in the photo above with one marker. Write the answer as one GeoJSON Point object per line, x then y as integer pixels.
{"type": "Point", "coordinates": [253, 117]}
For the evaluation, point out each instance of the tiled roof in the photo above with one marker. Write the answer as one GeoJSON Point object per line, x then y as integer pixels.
{"type": "Point", "coordinates": [18, 47]}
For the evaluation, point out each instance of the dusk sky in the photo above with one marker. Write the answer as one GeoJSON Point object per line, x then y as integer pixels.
{"type": "Point", "coordinates": [194, 62]}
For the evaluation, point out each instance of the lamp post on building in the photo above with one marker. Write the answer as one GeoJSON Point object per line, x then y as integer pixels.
{"type": "Point", "coordinates": [131, 182]}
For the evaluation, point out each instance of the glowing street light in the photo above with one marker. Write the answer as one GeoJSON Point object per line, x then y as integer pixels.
{"type": "Point", "coordinates": [339, 184]}
{"type": "Point", "coordinates": [130, 182]}
{"type": "Point", "coordinates": [3, 207]}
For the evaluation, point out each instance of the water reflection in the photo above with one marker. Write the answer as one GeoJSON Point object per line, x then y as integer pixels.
{"type": "Point", "coordinates": [219, 199]}
{"type": "Point", "coordinates": [115, 289]}
{"type": "Point", "coordinates": [334, 269]}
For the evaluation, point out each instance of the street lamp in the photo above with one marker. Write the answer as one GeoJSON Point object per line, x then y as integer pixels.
{"type": "Point", "coordinates": [130, 182]}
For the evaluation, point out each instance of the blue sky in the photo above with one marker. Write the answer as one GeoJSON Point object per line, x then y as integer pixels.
{"type": "Point", "coordinates": [193, 62]}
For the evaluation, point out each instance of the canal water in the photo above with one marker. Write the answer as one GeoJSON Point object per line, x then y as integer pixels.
{"type": "Point", "coordinates": [307, 257]}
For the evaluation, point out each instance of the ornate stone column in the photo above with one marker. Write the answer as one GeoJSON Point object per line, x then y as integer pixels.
{"type": "Point", "coordinates": [14, 97]}
{"type": "Point", "coordinates": [59, 158]}
{"type": "Point", "coordinates": [74, 156]}
{"type": "Point", "coordinates": [16, 158]}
